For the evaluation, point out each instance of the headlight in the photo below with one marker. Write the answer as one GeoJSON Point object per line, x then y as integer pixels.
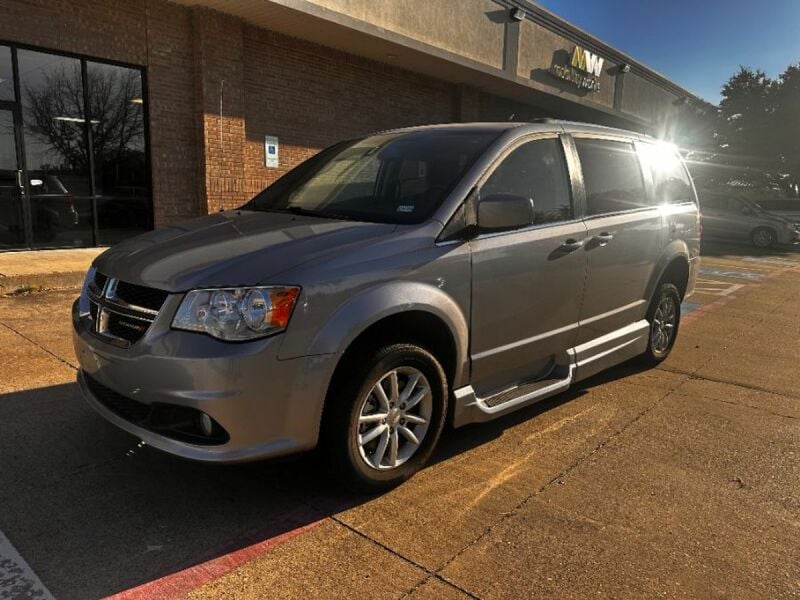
{"type": "Point", "coordinates": [791, 226]}
{"type": "Point", "coordinates": [237, 314]}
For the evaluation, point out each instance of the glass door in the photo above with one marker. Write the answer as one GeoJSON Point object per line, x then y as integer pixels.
{"type": "Point", "coordinates": [74, 166]}
{"type": "Point", "coordinates": [12, 190]}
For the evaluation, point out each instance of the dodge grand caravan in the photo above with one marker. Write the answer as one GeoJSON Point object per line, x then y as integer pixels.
{"type": "Point", "coordinates": [390, 284]}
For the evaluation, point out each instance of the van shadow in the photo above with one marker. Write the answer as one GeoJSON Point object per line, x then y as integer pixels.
{"type": "Point", "coordinates": [80, 496]}
{"type": "Point", "coordinates": [458, 441]}
{"type": "Point", "coordinates": [94, 511]}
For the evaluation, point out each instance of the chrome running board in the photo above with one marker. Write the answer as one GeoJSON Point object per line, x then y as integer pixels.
{"type": "Point", "coordinates": [584, 361]}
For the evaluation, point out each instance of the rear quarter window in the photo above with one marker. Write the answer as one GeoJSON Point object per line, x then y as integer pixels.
{"type": "Point", "coordinates": [612, 176]}
{"type": "Point", "coordinates": [671, 183]}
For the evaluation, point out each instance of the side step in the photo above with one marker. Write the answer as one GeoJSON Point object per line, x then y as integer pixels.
{"type": "Point", "coordinates": [471, 409]}
{"type": "Point", "coordinates": [529, 390]}
{"type": "Point", "coordinates": [584, 361]}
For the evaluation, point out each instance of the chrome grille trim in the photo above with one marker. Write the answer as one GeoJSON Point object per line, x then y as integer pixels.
{"type": "Point", "coordinates": [106, 302]}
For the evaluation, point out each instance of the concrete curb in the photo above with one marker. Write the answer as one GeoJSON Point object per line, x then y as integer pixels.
{"type": "Point", "coordinates": [36, 270]}
{"type": "Point", "coordinates": [41, 281]}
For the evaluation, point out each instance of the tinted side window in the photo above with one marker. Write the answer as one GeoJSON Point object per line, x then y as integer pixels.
{"type": "Point", "coordinates": [670, 182]}
{"type": "Point", "coordinates": [536, 170]}
{"type": "Point", "coordinates": [612, 176]}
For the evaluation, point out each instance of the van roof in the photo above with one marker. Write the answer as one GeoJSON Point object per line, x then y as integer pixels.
{"type": "Point", "coordinates": [542, 124]}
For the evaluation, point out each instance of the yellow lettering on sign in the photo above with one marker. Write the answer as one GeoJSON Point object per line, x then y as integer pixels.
{"type": "Point", "coordinates": [579, 58]}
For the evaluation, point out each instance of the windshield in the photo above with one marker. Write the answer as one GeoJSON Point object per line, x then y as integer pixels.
{"type": "Point", "coordinates": [391, 178]}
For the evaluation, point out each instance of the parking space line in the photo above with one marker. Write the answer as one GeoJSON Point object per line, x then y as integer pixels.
{"type": "Point", "coordinates": [17, 579]}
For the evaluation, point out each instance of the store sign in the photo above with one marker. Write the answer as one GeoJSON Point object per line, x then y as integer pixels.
{"type": "Point", "coordinates": [583, 70]}
{"type": "Point", "coordinates": [271, 149]}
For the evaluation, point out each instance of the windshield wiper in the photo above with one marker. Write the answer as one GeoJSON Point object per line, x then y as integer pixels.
{"type": "Point", "coordinates": [299, 210]}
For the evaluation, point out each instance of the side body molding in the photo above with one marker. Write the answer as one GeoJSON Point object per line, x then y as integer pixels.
{"type": "Point", "coordinates": [370, 306]}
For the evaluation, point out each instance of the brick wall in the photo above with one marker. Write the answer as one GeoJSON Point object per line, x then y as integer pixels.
{"type": "Point", "coordinates": [311, 97]}
{"type": "Point", "coordinates": [175, 133]}
{"type": "Point", "coordinates": [307, 95]}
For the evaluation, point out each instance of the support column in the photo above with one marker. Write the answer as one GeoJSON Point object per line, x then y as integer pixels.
{"type": "Point", "coordinates": [219, 73]}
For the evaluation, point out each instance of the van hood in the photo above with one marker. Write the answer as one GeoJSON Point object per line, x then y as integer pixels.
{"type": "Point", "coordinates": [232, 248]}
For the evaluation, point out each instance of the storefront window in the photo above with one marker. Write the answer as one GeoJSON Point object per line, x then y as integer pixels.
{"type": "Point", "coordinates": [56, 149]}
{"type": "Point", "coordinates": [80, 126]}
{"type": "Point", "coordinates": [6, 74]}
{"type": "Point", "coordinates": [116, 107]}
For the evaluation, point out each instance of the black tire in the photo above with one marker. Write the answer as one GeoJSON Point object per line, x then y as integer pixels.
{"type": "Point", "coordinates": [763, 237]}
{"type": "Point", "coordinates": [657, 350]}
{"type": "Point", "coordinates": [344, 404]}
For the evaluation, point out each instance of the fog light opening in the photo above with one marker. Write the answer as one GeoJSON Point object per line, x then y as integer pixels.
{"type": "Point", "coordinates": [206, 424]}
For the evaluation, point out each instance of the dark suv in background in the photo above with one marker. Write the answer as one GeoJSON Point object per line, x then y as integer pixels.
{"type": "Point", "coordinates": [388, 284]}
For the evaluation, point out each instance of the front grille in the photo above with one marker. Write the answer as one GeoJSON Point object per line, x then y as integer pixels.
{"type": "Point", "coordinates": [138, 295]}
{"type": "Point", "coordinates": [180, 423]}
{"type": "Point", "coordinates": [126, 328]}
{"type": "Point", "coordinates": [122, 312]}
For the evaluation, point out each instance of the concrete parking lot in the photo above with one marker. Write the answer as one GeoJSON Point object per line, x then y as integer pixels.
{"type": "Point", "coordinates": [683, 481]}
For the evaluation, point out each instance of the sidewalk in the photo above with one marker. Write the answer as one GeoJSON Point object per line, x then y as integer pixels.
{"type": "Point", "coordinates": [44, 269]}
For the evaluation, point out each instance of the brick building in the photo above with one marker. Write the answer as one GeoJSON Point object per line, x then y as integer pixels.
{"type": "Point", "coordinates": [120, 115]}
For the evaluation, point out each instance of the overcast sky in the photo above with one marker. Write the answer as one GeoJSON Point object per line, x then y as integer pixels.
{"type": "Point", "coordinates": [698, 44]}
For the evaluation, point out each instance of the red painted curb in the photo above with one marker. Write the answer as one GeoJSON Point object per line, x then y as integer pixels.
{"type": "Point", "coordinates": [177, 585]}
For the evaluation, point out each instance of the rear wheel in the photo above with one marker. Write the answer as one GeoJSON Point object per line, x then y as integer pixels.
{"type": "Point", "coordinates": [664, 316]}
{"type": "Point", "coordinates": [763, 237]}
{"type": "Point", "coordinates": [385, 417]}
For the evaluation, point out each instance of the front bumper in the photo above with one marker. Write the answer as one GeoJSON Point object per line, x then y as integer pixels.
{"type": "Point", "coordinates": [268, 407]}
{"type": "Point", "coordinates": [789, 237]}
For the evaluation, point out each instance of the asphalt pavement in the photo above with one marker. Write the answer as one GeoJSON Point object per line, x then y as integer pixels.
{"type": "Point", "coordinates": [681, 481]}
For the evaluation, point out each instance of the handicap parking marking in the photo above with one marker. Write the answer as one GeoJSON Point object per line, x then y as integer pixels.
{"type": "Point", "coordinates": [771, 260]}
{"type": "Point", "coordinates": [17, 579]}
{"type": "Point", "coordinates": [748, 275]}
{"type": "Point", "coordinates": [689, 307]}
{"type": "Point", "coordinates": [715, 287]}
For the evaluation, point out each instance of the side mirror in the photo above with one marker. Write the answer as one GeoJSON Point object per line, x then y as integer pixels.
{"type": "Point", "coordinates": [746, 210]}
{"type": "Point", "coordinates": [499, 212]}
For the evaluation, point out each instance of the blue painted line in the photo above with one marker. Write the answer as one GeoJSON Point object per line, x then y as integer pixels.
{"type": "Point", "coordinates": [732, 274]}
{"type": "Point", "coordinates": [769, 261]}
{"type": "Point", "coordinates": [688, 307]}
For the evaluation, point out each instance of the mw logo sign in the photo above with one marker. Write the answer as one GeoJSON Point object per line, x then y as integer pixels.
{"type": "Point", "coordinates": [583, 70]}
{"type": "Point", "coordinates": [587, 61]}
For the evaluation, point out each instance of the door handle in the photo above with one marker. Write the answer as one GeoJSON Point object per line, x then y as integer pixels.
{"type": "Point", "coordinates": [571, 244]}
{"type": "Point", "coordinates": [603, 238]}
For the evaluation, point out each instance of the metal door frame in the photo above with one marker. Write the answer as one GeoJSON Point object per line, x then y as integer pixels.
{"type": "Point", "coordinates": [14, 107]}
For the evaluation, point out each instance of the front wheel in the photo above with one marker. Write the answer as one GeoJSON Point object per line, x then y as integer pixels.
{"type": "Point", "coordinates": [664, 316]}
{"type": "Point", "coordinates": [386, 413]}
{"type": "Point", "coordinates": [763, 237]}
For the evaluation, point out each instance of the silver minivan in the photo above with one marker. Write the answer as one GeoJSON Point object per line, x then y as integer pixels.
{"type": "Point", "coordinates": [727, 217]}
{"type": "Point", "coordinates": [389, 285]}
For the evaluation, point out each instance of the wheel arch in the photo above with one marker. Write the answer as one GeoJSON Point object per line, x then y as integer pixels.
{"type": "Point", "coordinates": [674, 267]}
{"type": "Point", "coordinates": [398, 312]}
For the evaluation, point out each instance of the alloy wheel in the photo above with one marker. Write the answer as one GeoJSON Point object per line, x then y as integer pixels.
{"type": "Point", "coordinates": [762, 238]}
{"type": "Point", "coordinates": [663, 326]}
{"type": "Point", "coordinates": [394, 418]}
